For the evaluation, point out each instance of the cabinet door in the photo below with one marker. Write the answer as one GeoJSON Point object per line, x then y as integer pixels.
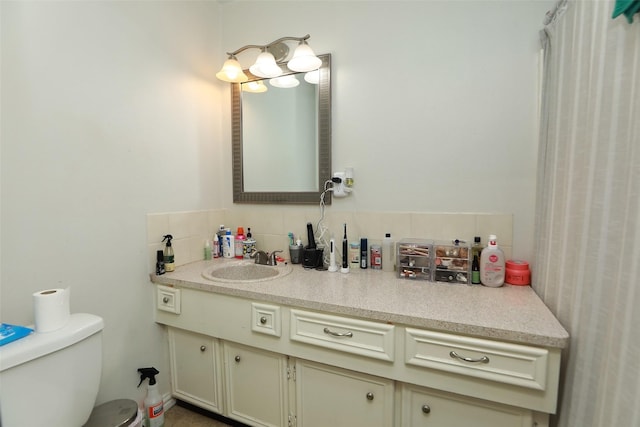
{"type": "Point", "coordinates": [431, 408]}
{"type": "Point", "coordinates": [195, 369]}
{"type": "Point", "coordinates": [256, 385]}
{"type": "Point", "coordinates": [328, 396]}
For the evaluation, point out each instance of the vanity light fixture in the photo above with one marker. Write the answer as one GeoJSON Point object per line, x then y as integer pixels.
{"type": "Point", "coordinates": [232, 71]}
{"type": "Point", "coordinates": [256, 86]}
{"type": "Point", "coordinates": [285, 82]}
{"type": "Point", "coordinates": [266, 64]}
{"type": "Point", "coordinates": [312, 77]}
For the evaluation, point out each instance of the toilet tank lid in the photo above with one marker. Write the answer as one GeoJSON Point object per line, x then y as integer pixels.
{"type": "Point", "coordinates": [80, 326]}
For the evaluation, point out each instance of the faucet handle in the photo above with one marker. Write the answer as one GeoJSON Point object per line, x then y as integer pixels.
{"type": "Point", "coordinates": [260, 256]}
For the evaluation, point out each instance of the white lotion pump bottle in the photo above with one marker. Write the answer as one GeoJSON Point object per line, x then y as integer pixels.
{"type": "Point", "coordinates": [492, 264]}
{"type": "Point", "coordinates": [153, 403]}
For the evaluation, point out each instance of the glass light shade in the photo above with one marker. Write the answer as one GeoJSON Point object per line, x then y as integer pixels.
{"type": "Point", "coordinates": [285, 82]}
{"type": "Point", "coordinates": [265, 66]}
{"type": "Point", "coordinates": [304, 59]}
{"type": "Point", "coordinates": [312, 77]}
{"type": "Point", "coordinates": [232, 72]}
{"type": "Point", "coordinates": [256, 86]}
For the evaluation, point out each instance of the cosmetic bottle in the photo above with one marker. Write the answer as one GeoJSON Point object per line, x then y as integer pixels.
{"type": "Point", "coordinates": [207, 250]}
{"type": "Point", "coordinates": [220, 235]}
{"type": "Point", "coordinates": [387, 253]}
{"type": "Point", "coordinates": [215, 247]}
{"type": "Point", "coordinates": [476, 251]}
{"type": "Point", "coordinates": [492, 264]}
{"type": "Point", "coordinates": [354, 254]}
{"type": "Point", "coordinates": [159, 263]}
{"type": "Point", "coordinates": [364, 252]}
{"type": "Point", "coordinates": [228, 245]}
{"type": "Point", "coordinates": [239, 240]}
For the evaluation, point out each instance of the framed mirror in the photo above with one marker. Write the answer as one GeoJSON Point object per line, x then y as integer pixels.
{"type": "Point", "coordinates": [281, 138]}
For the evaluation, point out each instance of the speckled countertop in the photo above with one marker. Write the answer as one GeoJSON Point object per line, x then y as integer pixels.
{"type": "Point", "coordinates": [510, 313]}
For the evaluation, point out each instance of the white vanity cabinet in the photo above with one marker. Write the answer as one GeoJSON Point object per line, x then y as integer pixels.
{"type": "Point", "coordinates": [256, 389]}
{"type": "Point", "coordinates": [271, 365]}
{"type": "Point", "coordinates": [328, 396]}
{"type": "Point", "coordinates": [195, 369]}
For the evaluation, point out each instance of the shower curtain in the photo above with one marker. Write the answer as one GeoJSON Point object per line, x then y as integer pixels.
{"type": "Point", "coordinates": [587, 255]}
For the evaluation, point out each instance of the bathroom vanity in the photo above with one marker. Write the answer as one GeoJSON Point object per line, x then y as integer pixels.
{"type": "Point", "coordinates": [312, 348]}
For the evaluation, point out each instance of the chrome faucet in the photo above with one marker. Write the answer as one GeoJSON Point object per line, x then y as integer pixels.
{"type": "Point", "coordinates": [261, 257]}
{"type": "Point", "coordinates": [272, 258]}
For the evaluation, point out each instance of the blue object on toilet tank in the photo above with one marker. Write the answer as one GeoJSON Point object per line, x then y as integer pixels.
{"type": "Point", "coordinates": [10, 333]}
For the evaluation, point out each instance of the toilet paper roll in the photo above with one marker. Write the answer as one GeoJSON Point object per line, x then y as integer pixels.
{"type": "Point", "coordinates": [51, 309]}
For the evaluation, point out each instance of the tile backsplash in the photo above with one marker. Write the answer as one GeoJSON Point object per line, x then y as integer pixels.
{"type": "Point", "coordinates": [270, 228]}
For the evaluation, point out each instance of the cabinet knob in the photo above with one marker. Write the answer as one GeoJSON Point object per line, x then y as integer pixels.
{"type": "Point", "coordinates": [237, 358]}
{"type": "Point", "coordinates": [370, 396]}
{"type": "Point", "coordinates": [426, 409]}
{"type": "Point", "coordinates": [203, 347]}
{"type": "Point", "coordinates": [263, 320]}
{"type": "Point", "coordinates": [165, 300]}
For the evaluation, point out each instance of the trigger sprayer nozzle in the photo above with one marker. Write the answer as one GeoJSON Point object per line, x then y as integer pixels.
{"type": "Point", "coordinates": [148, 373]}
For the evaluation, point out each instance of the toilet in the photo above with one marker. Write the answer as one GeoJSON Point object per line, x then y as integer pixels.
{"type": "Point", "coordinates": [52, 379]}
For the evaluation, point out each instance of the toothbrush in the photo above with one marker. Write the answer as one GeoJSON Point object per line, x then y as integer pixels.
{"type": "Point", "coordinates": [345, 251]}
{"type": "Point", "coordinates": [332, 256]}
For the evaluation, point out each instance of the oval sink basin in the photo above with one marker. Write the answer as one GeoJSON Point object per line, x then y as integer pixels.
{"type": "Point", "coordinates": [246, 271]}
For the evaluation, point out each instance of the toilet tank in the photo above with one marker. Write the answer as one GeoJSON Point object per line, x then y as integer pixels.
{"type": "Point", "coordinates": [52, 379]}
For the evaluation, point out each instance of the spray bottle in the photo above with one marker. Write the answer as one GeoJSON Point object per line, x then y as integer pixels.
{"type": "Point", "coordinates": [153, 404]}
{"type": "Point", "coordinates": [169, 264]}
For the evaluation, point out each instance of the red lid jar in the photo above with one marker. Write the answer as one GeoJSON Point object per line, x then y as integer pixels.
{"type": "Point", "coordinates": [517, 273]}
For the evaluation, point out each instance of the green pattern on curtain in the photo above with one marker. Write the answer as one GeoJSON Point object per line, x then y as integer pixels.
{"type": "Point", "coordinates": [627, 8]}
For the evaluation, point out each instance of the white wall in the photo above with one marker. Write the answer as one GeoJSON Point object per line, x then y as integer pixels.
{"type": "Point", "coordinates": [109, 111]}
{"type": "Point", "coordinates": [434, 102]}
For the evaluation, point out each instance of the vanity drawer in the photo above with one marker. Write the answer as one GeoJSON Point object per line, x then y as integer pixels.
{"type": "Point", "coordinates": [502, 362]}
{"type": "Point", "coordinates": [362, 337]}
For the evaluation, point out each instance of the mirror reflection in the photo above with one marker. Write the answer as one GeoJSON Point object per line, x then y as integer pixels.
{"type": "Point", "coordinates": [282, 137]}
{"type": "Point", "coordinates": [279, 124]}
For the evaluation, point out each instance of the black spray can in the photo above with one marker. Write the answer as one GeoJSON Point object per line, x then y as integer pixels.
{"type": "Point", "coordinates": [159, 263]}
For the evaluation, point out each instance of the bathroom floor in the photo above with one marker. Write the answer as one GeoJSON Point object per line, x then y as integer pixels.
{"type": "Point", "coordinates": [184, 415]}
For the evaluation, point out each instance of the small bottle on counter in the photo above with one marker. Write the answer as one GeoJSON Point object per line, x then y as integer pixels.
{"type": "Point", "coordinates": [364, 252]}
{"type": "Point", "coordinates": [387, 253]}
{"type": "Point", "coordinates": [159, 263]}
{"type": "Point", "coordinates": [476, 251]}
{"type": "Point", "coordinates": [207, 250]}
{"type": "Point", "coordinates": [354, 253]}
{"type": "Point", "coordinates": [220, 236]}
{"type": "Point", "coordinates": [215, 248]}
{"type": "Point", "coordinates": [376, 257]}
{"type": "Point", "coordinates": [228, 246]}
{"type": "Point", "coordinates": [239, 239]}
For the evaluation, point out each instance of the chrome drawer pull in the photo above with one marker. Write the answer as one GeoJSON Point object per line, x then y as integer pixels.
{"type": "Point", "coordinates": [337, 334]}
{"type": "Point", "coordinates": [483, 359]}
